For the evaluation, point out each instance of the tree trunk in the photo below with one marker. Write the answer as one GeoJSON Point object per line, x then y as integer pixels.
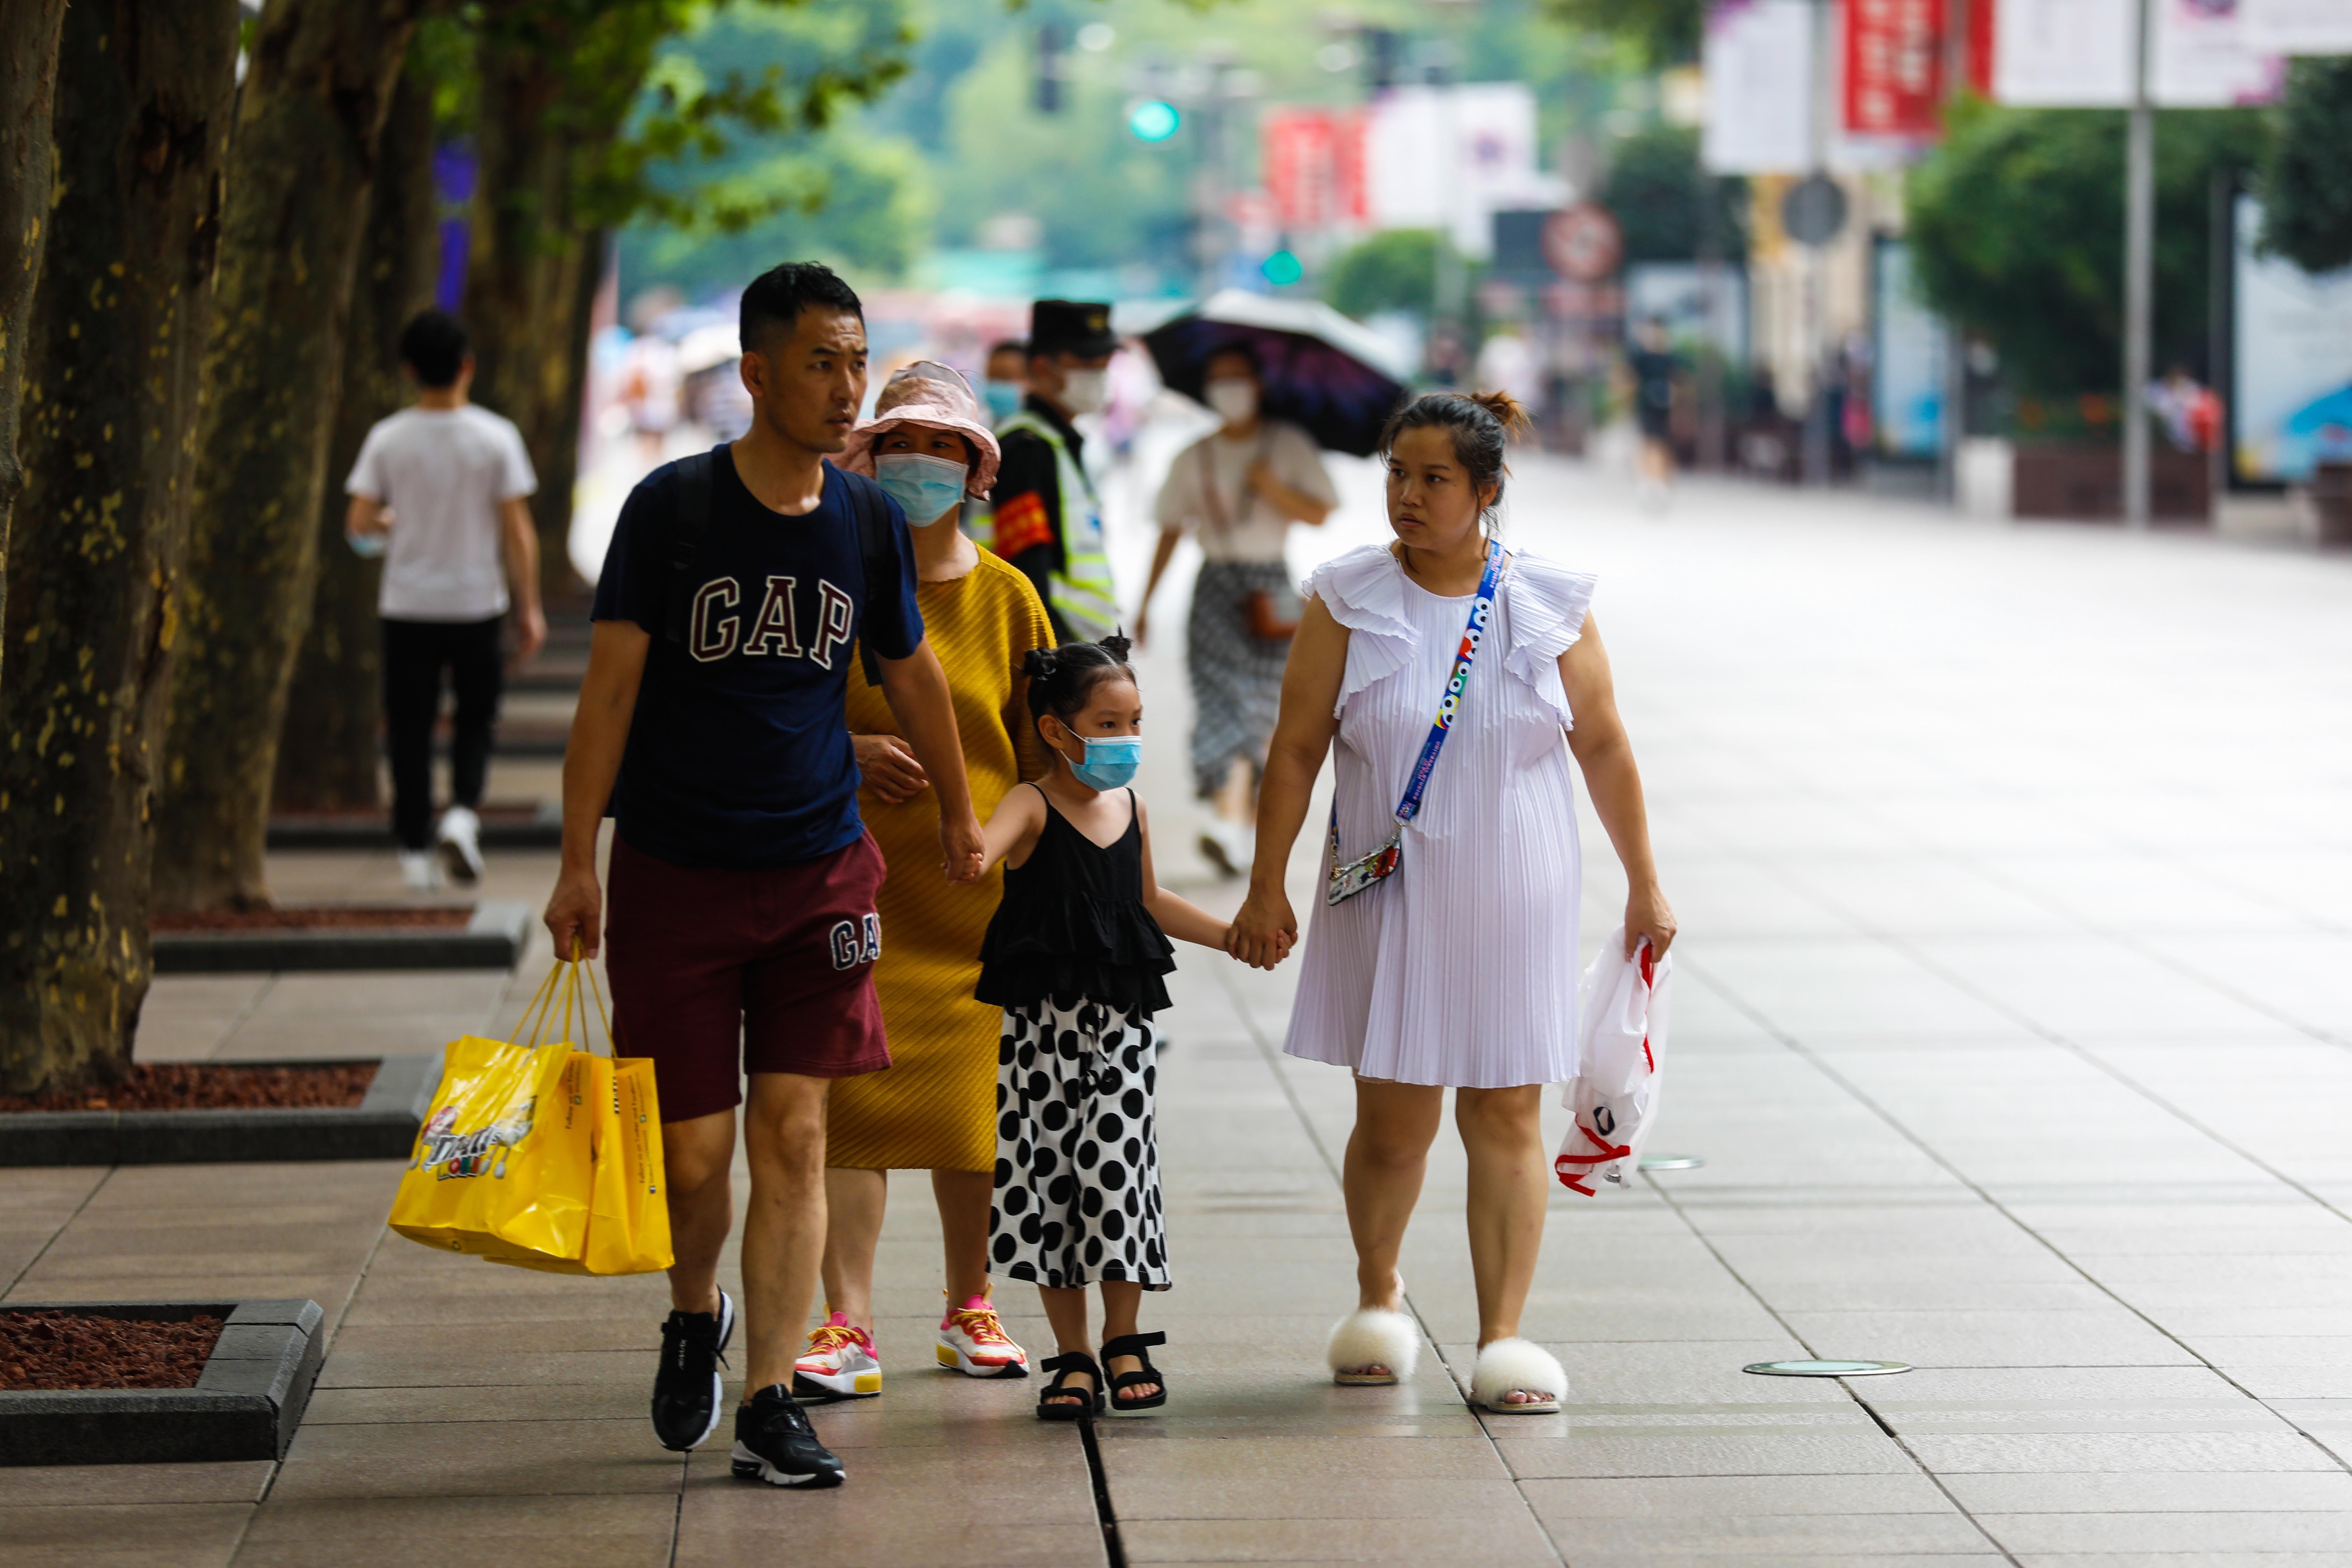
{"type": "Point", "coordinates": [335, 707]}
{"type": "Point", "coordinates": [28, 78]}
{"type": "Point", "coordinates": [526, 303]}
{"type": "Point", "coordinates": [145, 93]}
{"type": "Point", "coordinates": [308, 119]}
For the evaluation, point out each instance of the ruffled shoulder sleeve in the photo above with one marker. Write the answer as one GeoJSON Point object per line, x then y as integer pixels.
{"type": "Point", "coordinates": [1364, 591]}
{"type": "Point", "coordinates": [1546, 605]}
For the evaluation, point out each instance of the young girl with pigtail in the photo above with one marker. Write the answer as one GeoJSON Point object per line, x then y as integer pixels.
{"type": "Point", "coordinates": [1074, 957]}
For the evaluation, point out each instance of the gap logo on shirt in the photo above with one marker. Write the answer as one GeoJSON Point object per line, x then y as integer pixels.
{"type": "Point", "coordinates": [786, 623]}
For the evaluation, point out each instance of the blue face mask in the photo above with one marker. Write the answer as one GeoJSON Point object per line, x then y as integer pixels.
{"type": "Point", "coordinates": [1110, 764]}
{"type": "Point", "coordinates": [1003, 399]}
{"type": "Point", "coordinates": [926, 488]}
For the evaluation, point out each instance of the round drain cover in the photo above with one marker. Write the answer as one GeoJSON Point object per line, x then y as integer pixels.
{"type": "Point", "coordinates": [1825, 1368]}
{"type": "Point", "coordinates": [1671, 1162]}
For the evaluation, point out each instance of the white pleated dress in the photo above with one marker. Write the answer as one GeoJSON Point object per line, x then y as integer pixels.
{"type": "Point", "coordinates": [1460, 969]}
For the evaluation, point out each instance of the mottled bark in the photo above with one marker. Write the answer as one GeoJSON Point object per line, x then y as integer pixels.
{"type": "Point", "coordinates": [145, 94]}
{"type": "Point", "coordinates": [328, 759]}
{"type": "Point", "coordinates": [309, 120]}
{"type": "Point", "coordinates": [29, 76]}
{"type": "Point", "coordinates": [530, 281]}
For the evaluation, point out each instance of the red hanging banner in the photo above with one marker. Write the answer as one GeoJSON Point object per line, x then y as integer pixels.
{"type": "Point", "coordinates": [1895, 67]}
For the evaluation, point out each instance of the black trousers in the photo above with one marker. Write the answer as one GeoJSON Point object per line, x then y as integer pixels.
{"type": "Point", "coordinates": [415, 654]}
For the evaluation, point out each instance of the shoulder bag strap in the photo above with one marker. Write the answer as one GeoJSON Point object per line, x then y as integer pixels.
{"type": "Point", "coordinates": [688, 521]}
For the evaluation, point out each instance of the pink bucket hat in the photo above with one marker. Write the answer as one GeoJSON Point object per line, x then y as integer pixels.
{"type": "Point", "coordinates": [929, 394]}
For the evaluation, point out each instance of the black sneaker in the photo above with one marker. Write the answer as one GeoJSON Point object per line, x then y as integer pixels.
{"type": "Point", "coordinates": [687, 1395]}
{"type": "Point", "coordinates": [774, 1443]}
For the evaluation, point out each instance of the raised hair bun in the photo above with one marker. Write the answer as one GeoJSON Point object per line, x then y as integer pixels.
{"type": "Point", "coordinates": [1504, 408]}
{"type": "Point", "coordinates": [1116, 646]}
{"type": "Point", "coordinates": [1038, 663]}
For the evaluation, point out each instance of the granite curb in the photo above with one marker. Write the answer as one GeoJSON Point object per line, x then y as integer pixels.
{"type": "Point", "coordinates": [383, 1126]}
{"type": "Point", "coordinates": [244, 1406]}
{"type": "Point", "coordinates": [493, 939]}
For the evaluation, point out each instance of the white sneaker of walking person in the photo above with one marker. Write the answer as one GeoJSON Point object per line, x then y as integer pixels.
{"type": "Point", "coordinates": [459, 839]}
{"type": "Point", "coordinates": [1229, 847]}
{"type": "Point", "coordinates": [420, 870]}
{"type": "Point", "coordinates": [840, 1362]}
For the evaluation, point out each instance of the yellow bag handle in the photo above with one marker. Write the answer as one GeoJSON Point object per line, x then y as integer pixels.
{"type": "Point", "coordinates": [534, 1013]}
{"type": "Point", "coordinates": [554, 1002]}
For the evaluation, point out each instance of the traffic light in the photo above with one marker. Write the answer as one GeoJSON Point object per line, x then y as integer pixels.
{"type": "Point", "coordinates": [1282, 268]}
{"type": "Point", "coordinates": [1381, 48]}
{"type": "Point", "coordinates": [1047, 87]}
{"type": "Point", "coordinates": [1153, 120]}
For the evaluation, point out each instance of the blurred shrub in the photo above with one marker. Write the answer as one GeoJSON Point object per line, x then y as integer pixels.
{"type": "Point", "coordinates": [1395, 270]}
{"type": "Point", "coordinates": [2307, 183]}
{"type": "Point", "coordinates": [1657, 192]}
{"type": "Point", "coordinates": [2016, 224]}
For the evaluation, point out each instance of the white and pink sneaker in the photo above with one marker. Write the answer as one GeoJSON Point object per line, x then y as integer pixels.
{"type": "Point", "coordinates": [840, 1363]}
{"type": "Point", "coordinates": [973, 1341]}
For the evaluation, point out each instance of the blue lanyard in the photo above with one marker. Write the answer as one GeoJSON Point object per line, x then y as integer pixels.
{"type": "Point", "coordinates": [1482, 610]}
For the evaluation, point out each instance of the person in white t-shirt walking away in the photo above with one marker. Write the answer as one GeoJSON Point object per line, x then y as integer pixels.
{"type": "Point", "coordinates": [1237, 489]}
{"type": "Point", "coordinates": [442, 487]}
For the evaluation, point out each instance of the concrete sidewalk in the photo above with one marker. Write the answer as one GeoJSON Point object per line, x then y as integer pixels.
{"type": "Point", "coordinates": [2011, 1018]}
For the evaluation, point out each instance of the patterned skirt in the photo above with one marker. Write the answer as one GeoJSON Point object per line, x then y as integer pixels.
{"type": "Point", "coordinates": [1236, 677]}
{"type": "Point", "coordinates": [1077, 1156]}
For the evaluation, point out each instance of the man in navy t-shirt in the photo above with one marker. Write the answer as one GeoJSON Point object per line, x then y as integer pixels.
{"type": "Point", "coordinates": [742, 924]}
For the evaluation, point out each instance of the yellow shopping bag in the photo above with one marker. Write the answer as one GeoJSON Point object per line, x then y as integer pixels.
{"type": "Point", "coordinates": [628, 1218]}
{"type": "Point", "coordinates": [504, 1160]}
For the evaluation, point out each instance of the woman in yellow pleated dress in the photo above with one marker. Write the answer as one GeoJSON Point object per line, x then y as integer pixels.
{"type": "Point", "coordinates": [934, 1108]}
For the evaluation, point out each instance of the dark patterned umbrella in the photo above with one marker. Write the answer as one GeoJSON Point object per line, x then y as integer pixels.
{"type": "Point", "coordinates": [1334, 377]}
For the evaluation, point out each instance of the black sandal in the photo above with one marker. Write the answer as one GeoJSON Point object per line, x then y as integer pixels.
{"type": "Point", "coordinates": [1135, 1345]}
{"type": "Point", "coordinates": [1055, 1401]}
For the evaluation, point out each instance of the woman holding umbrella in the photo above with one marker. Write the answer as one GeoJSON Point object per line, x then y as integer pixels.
{"type": "Point", "coordinates": [1237, 490]}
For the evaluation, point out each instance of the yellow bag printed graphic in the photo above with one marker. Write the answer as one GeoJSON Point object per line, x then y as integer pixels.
{"type": "Point", "coordinates": [504, 1160]}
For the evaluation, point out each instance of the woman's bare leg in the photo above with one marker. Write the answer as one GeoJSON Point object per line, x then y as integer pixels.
{"type": "Point", "coordinates": [853, 1201]}
{"type": "Point", "coordinates": [1388, 1155]}
{"type": "Point", "coordinates": [1510, 1186]}
{"type": "Point", "coordinates": [963, 1197]}
{"type": "Point", "coordinates": [1122, 1299]}
{"type": "Point", "coordinates": [1066, 1309]}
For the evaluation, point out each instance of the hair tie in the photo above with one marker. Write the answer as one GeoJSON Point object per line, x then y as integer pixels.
{"type": "Point", "coordinates": [1039, 663]}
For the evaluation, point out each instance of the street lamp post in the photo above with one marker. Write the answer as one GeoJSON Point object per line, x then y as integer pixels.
{"type": "Point", "coordinates": [2140, 266]}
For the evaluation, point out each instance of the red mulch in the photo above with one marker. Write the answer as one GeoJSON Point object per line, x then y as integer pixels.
{"type": "Point", "coordinates": [52, 1349]}
{"type": "Point", "coordinates": [324, 918]}
{"type": "Point", "coordinates": [207, 1086]}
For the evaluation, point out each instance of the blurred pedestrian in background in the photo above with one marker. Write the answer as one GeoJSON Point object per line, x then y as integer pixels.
{"type": "Point", "coordinates": [1046, 517]}
{"type": "Point", "coordinates": [2191, 411]}
{"type": "Point", "coordinates": [1006, 379]}
{"type": "Point", "coordinates": [1654, 368]}
{"type": "Point", "coordinates": [441, 488]}
{"type": "Point", "coordinates": [934, 1106]}
{"type": "Point", "coordinates": [1237, 490]}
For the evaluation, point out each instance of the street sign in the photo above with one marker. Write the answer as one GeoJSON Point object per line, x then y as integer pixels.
{"type": "Point", "coordinates": [1813, 211]}
{"type": "Point", "coordinates": [1584, 243]}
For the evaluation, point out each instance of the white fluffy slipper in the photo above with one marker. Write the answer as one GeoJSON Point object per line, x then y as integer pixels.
{"type": "Point", "coordinates": [1520, 1366]}
{"type": "Point", "coordinates": [1370, 1336]}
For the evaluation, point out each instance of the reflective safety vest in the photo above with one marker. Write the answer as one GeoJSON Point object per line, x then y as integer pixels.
{"type": "Point", "coordinates": [1080, 591]}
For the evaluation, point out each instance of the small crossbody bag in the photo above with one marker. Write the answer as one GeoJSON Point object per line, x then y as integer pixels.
{"type": "Point", "coordinates": [1349, 878]}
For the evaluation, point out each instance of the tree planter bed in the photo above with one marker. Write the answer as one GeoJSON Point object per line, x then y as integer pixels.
{"type": "Point", "coordinates": [245, 1405]}
{"type": "Point", "coordinates": [505, 825]}
{"type": "Point", "coordinates": [382, 1126]}
{"type": "Point", "coordinates": [489, 936]}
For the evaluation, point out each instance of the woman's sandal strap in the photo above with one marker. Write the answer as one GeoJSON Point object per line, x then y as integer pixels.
{"type": "Point", "coordinates": [1136, 1345]}
{"type": "Point", "coordinates": [1071, 1361]}
{"type": "Point", "coordinates": [1132, 1344]}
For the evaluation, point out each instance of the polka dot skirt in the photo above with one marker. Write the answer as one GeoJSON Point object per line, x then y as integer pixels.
{"type": "Point", "coordinates": [1078, 1161]}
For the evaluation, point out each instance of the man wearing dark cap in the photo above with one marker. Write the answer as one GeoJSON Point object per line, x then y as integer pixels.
{"type": "Point", "coordinates": [1047, 519]}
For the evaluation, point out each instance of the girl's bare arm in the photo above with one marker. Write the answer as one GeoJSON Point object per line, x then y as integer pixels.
{"type": "Point", "coordinates": [1179, 918]}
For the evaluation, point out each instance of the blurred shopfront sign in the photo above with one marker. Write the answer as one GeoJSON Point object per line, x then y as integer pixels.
{"type": "Point", "coordinates": [1313, 161]}
{"type": "Point", "coordinates": [1893, 67]}
{"type": "Point", "coordinates": [1450, 157]}
{"type": "Point", "coordinates": [2291, 399]}
{"type": "Point", "coordinates": [1758, 59]}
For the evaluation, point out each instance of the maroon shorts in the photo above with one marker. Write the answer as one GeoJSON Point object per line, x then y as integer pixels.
{"type": "Point", "coordinates": [781, 961]}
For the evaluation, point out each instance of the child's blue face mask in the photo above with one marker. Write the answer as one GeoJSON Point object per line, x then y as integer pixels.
{"type": "Point", "coordinates": [1109, 764]}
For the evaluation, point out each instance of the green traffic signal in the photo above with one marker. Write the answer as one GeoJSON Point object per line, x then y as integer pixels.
{"type": "Point", "coordinates": [1154, 120]}
{"type": "Point", "coordinates": [1282, 270]}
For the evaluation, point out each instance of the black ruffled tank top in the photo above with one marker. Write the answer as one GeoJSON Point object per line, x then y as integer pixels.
{"type": "Point", "coordinates": [1072, 925]}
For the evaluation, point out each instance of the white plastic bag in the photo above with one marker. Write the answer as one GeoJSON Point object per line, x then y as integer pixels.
{"type": "Point", "coordinates": [1621, 1034]}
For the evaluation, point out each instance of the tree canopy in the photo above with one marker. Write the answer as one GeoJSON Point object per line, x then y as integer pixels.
{"type": "Point", "coordinates": [2016, 229]}
{"type": "Point", "coordinates": [1660, 195]}
{"type": "Point", "coordinates": [2306, 186]}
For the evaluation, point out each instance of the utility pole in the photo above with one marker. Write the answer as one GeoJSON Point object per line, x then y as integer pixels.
{"type": "Point", "coordinates": [1817, 402]}
{"type": "Point", "coordinates": [2139, 267]}
{"type": "Point", "coordinates": [1956, 341]}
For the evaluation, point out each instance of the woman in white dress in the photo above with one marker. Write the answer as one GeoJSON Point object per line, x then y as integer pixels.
{"type": "Point", "coordinates": [1459, 969]}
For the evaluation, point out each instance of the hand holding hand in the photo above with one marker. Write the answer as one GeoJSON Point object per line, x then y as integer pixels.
{"type": "Point", "coordinates": [1648, 914]}
{"type": "Point", "coordinates": [575, 913]}
{"type": "Point", "coordinates": [965, 850]}
{"type": "Point", "coordinates": [888, 767]}
{"type": "Point", "coordinates": [1264, 931]}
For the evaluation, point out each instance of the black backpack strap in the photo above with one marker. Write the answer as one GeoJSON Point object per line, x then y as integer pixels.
{"type": "Point", "coordinates": [688, 521]}
{"type": "Point", "coordinates": [873, 552]}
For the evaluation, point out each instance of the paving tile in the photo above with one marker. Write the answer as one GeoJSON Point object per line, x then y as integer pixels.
{"type": "Point", "coordinates": [123, 1535]}
{"type": "Point", "coordinates": [1679, 1496]}
{"type": "Point", "coordinates": [1510, 1538]}
{"type": "Point", "coordinates": [1698, 1536]}
{"type": "Point", "coordinates": [2170, 1532]}
{"type": "Point", "coordinates": [2156, 1492]}
{"type": "Point", "coordinates": [1775, 1452]}
{"type": "Point", "coordinates": [630, 1530]}
{"type": "Point", "coordinates": [516, 1458]}
{"type": "Point", "coordinates": [58, 1486]}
